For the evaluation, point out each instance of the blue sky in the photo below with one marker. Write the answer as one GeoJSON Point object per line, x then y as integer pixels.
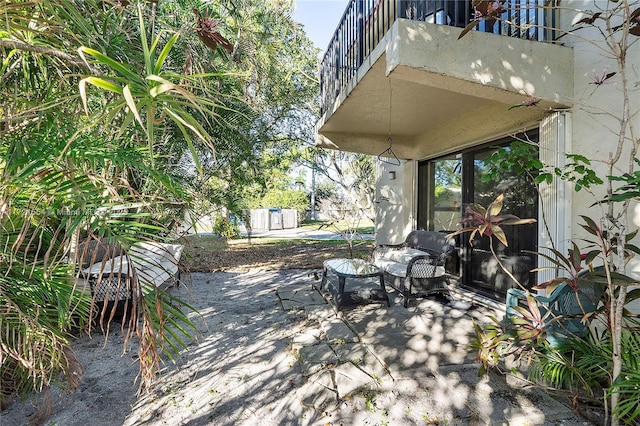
{"type": "Point", "coordinates": [320, 18]}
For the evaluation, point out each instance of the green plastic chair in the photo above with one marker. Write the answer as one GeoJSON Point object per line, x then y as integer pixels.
{"type": "Point", "coordinates": [567, 309]}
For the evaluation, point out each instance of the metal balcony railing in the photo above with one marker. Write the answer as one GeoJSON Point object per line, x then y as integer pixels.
{"type": "Point", "coordinates": [365, 22]}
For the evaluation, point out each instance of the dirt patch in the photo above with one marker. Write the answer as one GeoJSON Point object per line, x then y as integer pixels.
{"type": "Point", "coordinates": [237, 364]}
{"type": "Point", "coordinates": [208, 253]}
{"type": "Point", "coordinates": [234, 335]}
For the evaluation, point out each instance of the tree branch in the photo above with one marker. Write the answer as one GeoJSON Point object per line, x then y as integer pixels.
{"type": "Point", "coordinates": [73, 60]}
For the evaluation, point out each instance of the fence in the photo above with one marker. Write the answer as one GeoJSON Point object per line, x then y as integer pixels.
{"type": "Point", "coordinates": [273, 219]}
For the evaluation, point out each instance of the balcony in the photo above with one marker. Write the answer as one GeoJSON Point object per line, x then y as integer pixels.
{"type": "Point", "coordinates": [397, 68]}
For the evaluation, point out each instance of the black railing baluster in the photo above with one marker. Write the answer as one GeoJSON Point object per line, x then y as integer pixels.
{"type": "Point", "coordinates": [365, 23]}
{"type": "Point", "coordinates": [358, 32]}
{"type": "Point", "coordinates": [344, 48]}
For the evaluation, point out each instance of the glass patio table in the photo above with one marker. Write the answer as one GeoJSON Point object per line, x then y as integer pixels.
{"type": "Point", "coordinates": [351, 268]}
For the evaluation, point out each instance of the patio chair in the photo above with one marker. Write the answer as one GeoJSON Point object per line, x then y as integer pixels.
{"type": "Point", "coordinates": [417, 264]}
{"type": "Point", "coordinates": [153, 264]}
{"type": "Point", "coordinates": [565, 307]}
{"type": "Point", "coordinates": [112, 295]}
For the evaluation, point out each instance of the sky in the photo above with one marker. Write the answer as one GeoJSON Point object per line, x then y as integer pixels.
{"type": "Point", "coordinates": [320, 18]}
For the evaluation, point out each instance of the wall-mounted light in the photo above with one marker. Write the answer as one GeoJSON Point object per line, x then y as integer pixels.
{"type": "Point", "coordinates": [392, 175]}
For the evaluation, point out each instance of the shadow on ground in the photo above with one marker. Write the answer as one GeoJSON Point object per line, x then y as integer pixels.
{"type": "Point", "coordinates": [272, 351]}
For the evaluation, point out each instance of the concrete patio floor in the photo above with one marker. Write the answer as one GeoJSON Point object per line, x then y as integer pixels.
{"type": "Point", "coordinates": [270, 350]}
{"type": "Point", "coordinates": [420, 351]}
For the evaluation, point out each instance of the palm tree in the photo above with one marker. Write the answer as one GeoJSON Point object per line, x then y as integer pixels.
{"type": "Point", "coordinates": [59, 167]}
{"type": "Point", "coordinates": [116, 104]}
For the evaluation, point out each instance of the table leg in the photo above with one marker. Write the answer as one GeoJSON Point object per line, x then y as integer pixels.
{"type": "Point", "coordinates": [384, 289]}
{"type": "Point", "coordinates": [341, 290]}
{"type": "Point", "coordinates": [324, 279]}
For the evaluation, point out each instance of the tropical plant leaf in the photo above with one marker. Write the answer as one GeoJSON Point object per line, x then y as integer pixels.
{"type": "Point", "coordinates": [558, 259]}
{"type": "Point", "coordinates": [131, 103]}
{"type": "Point", "coordinates": [498, 232]}
{"type": "Point", "coordinates": [470, 26]}
{"type": "Point", "coordinates": [622, 280]}
{"type": "Point", "coordinates": [633, 294]}
{"type": "Point", "coordinates": [591, 256]}
{"type": "Point", "coordinates": [103, 59]}
{"type": "Point", "coordinates": [575, 257]}
{"type": "Point", "coordinates": [591, 226]}
{"type": "Point", "coordinates": [164, 53]}
{"type": "Point", "coordinates": [495, 207]}
{"type": "Point", "coordinates": [551, 284]}
{"type": "Point", "coordinates": [514, 220]}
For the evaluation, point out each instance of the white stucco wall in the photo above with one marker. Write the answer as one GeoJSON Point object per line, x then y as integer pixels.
{"type": "Point", "coordinates": [595, 121]}
{"type": "Point", "coordinates": [507, 64]}
{"type": "Point", "coordinates": [394, 201]}
{"type": "Point", "coordinates": [597, 112]}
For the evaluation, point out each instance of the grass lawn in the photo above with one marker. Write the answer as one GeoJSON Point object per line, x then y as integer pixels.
{"type": "Point", "coordinates": [362, 227]}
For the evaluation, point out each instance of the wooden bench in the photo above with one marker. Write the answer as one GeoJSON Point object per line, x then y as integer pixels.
{"type": "Point", "coordinates": [419, 263]}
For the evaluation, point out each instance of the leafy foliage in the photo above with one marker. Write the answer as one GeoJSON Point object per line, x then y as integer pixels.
{"type": "Point", "coordinates": [631, 188]}
{"type": "Point", "coordinates": [49, 303]}
{"type": "Point", "coordinates": [488, 221]}
{"type": "Point", "coordinates": [628, 385]}
{"type": "Point", "coordinates": [577, 171]}
{"type": "Point", "coordinates": [611, 28]}
{"type": "Point", "coordinates": [489, 343]}
{"type": "Point", "coordinates": [519, 157]}
{"type": "Point", "coordinates": [152, 93]}
{"type": "Point", "coordinates": [51, 206]}
{"type": "Point", "coordinates": [117, 164]}
{"type": "Point", "coordinates": [522, 158]}
{"type": "Point", "coordinates": [226, 227]}
{"type": "Point", "coordinates": [583, 365]}
{"type": "Point", "coordinates": [291, 199]}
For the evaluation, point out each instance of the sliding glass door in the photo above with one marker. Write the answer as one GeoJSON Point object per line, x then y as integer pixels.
{"type": "Point", "coordinates": [440, 194]}
{"type": "Point", "coordinates": [448, 184]}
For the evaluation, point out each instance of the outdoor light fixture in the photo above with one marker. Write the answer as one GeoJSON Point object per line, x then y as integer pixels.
{"type": "Point", "coordinates": [392, 175]}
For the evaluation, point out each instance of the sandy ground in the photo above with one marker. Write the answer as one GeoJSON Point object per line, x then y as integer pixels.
{"type": "Point", "coordinates": [240, 370]}
{"type": "Point", "coordinates": [238, 365]}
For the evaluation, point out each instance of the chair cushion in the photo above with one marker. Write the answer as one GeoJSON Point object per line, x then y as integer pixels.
{"type": "Point", "coordinates": [393, 268]}
{"type": "Point", "coordinates": [404, 255]}
{"type": "Point", "coordinates": [157, 251]}
{"type": "Point", "coordinates": [400, 269]}
{"type": "Point", "coordinates": [154, 263]}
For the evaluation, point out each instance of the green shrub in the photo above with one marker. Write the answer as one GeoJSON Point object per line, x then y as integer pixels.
{"type": "Point", "coordinates": [286, 199]}
{"type": "Point", "coordinates": [585, 365]}
{"type": "Point", "coordinates": [226, 228]}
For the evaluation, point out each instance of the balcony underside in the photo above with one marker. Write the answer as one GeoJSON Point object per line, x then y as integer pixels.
{"type": "Point", "coordinates": [434, 94]}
